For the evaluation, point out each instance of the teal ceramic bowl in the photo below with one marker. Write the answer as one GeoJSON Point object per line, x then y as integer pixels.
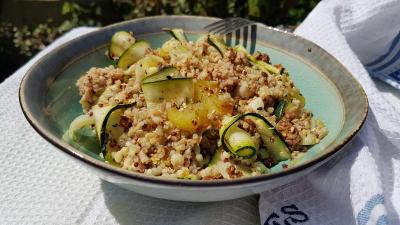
{"type": "Point", "coordinates": [50, 100]}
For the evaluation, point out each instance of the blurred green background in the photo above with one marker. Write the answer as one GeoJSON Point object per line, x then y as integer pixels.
{"type": "Point", "coordinates": [27, 26]}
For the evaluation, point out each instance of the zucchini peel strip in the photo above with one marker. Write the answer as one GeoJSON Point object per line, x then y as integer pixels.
{"type": "Point", "coordinates": [272, 140]}
{"type": "Point", "coordinates": [176, 33]}
{"type": "Point", "coordinates": [102, 122]}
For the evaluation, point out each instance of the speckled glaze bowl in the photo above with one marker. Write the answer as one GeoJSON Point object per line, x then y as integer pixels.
{"type": "Point", "coordinates": [50, 100]}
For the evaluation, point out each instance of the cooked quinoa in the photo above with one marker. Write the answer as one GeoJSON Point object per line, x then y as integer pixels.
{"type": "Point", "coordinates": [153, 144]}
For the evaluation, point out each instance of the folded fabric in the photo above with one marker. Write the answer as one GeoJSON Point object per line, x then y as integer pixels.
{"type": "Point", "coordinates": [362, 187]}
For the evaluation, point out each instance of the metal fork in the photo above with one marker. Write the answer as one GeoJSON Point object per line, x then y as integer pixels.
{"type": "Point", "coordinates": [239, 29]}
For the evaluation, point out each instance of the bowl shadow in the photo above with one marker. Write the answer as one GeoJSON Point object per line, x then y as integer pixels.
{"type": "Point", "coordinates": [131, 208]}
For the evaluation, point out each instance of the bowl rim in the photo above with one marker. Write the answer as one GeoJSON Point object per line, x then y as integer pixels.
{"type": "Point", "coordinates": [80, 156]}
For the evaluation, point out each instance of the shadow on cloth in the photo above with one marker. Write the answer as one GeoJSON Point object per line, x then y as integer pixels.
{"type": "Point", "coordinates": [135, 209]}
{"type": "Point", "coordinates": [385, 151]}
{"type": "Point", "coordinates": [317, 195]}
{"type": "Point", "coordinates": [386, 88]}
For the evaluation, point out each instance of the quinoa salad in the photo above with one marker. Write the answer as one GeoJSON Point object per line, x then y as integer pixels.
{"type": "Point", "coordinates": [197, 110]}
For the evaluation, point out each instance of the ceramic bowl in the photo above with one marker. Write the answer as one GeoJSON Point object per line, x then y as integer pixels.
{"type": "Point", "coordinates": [50, 100]}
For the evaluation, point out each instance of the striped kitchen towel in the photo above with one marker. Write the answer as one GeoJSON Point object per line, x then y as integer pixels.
{"type": "Point", "coordinates": [363, 187]}
{"type": "Point", "coordinates": [387, 66]}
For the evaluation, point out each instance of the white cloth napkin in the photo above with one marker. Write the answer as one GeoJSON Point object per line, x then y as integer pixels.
{"type": "Point", "coordinates": [364, 186]}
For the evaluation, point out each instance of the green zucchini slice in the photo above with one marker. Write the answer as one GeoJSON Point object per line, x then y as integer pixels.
{"type": "Point", "coordinates": [264, 66]}
{"type": "Point", "coordinates": [81, 131]}
{"type": "Point", "coordinates": [260, 167]}
{"type": "Point", "coordinates": [120, 41]}
{"type": "Point", "coordinates": [218, 43]}
{"type": "Point", "coordinates": [310, 138]}
{"type": "Point", "coordinates": [82, 121]}
{"type": "Point", "coordinates": [240, 48]}
{"type": "Point", "coordinates": [219, 164]}
{"type": "Point", "coordinates": [258, 63]}
{"type": "Point", "coordinates": [165, 73]}
{"type": "Point", "coordinates": [146, 66]}
{"type": "Point", "coordinates": [167, 85]}
{"type": "Point", "coordinates": [235, 140]}
{"type": "Point", "coordinates": [271, 138]}
{"type": "Point", "coordinates": [272, 141]}
{"type": "Point", "coordinates": [263, 154]}
{"type": "Point", "coordinates": [107, 120]}
{"type": "Point", "coordinates": [176, 48]}
{"type": "Point", "coordinates": [131, 55]}
{"type": "Point", "coordinates": [222, 166]}
{"type": "Point", "coordinates": [169, 89]}
{"type": "Point", "coordinates": [92, 151]}
{"type": "Point", "coordinates": [176, 33]}
{"type": "Point", "coordinates": [280, 109]}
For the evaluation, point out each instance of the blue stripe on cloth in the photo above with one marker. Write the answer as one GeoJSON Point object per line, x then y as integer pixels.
{"type": "Point", "coordinates": [395, 41]}
{"type": "Point", "coordinates": [382, 220]}
{"type": "Point", "coordinates": [395, 75]}
{"type": "Point", "coordinates": [392, 78]}
{"type": "Point", "coordinates": [389, 63]}
{"type": "Point", "coordinates": [365, 213]}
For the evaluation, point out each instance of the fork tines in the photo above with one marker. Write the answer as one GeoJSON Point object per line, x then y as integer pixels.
{"type": "Point", "coordinates": [237, 27]}
{"type": "Point", "coordinates": [228, 25]}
